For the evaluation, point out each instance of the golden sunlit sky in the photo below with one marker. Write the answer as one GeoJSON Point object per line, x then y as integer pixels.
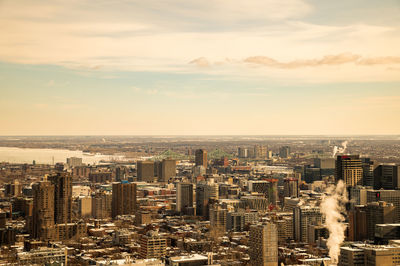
{"type": "Point", "coordinates": [199, 67]}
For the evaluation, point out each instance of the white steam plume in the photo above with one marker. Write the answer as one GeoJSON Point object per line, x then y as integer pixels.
{"type": "Point", "coordinates": [342, 149]}
{"type": "Point", "coordinates": [332, 206]}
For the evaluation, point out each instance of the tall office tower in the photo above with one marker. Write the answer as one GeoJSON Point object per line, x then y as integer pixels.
{"type": "Point", "coordinates": [303, 217]}
{"type": "Point", "coordinates": [101, 205]}
{"type": "Point", "coordinates": [74, 161]}
{"type": "Point", "coordinates": [218, 217]}
{"type": "Point", "coordinates": [389, 196]}
{"type": "Point", "coordinates": [62, 197]}
{"type": "Point", "coordinates": [145, 171]}
{"type": "Point", "coordinates": [284, 152]}
{"type": "Point", "coordinates": [387, 176]}
{"type": "Point", "coordinates": [260, 151]}
{"type": "Point", "coordinates": [358, 223]}
{"type": "Point", "coordinates": [269, 187]}
{"type": "Point", "coordinates": [326, 166]}
{"type": "Point", "coordinates": [368, 172]}
{"type": "Point", "coordinates": [123, 198]}
{"type": "Point", "coordinates": [378, 213]}
{"type": "Point", "coordinates": [204, 194]}
{"type": "Point", "coordinates": [243, 152]}
{"type": "Point", "coordinates": [184, 198]}
{"type": "Point", "coordinates": [263, 243]}
{"type": "Point", "coordinates": [152, 245]}
{"type": "Point", "coordinates": [13, 189]}
{"type": "Point", "coordinates": [291, 187]}
{"type": "Point", "coordinates": [201, 158]}
{"type": "Point", "coordinates": [167, 170]}
{"type": "Point", "coordinates": [43, 210]}
{"type": "Point", "coordinates": [349, 169]}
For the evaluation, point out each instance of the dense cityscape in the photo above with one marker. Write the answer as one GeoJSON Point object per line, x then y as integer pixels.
{"type": "Point", "coordinates": [200, 132]}
{"type": "Point", "coordinates": [205, 201]}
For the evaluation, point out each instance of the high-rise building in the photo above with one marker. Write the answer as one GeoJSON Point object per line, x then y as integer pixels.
{"type": "Point", "coordinates": [85, 207]}
{"type": "Point", "coordinates": [13, 189]}
{"type": "Point", "coordinates": [358, 195]}
{"type": "Point", "coordinates": [123, 198]}
{"type": "Point", "coordinates": [204, 193]}
{"type": "Point", "coordinates": [243, 152]}
{"type": "Point", "coordinates": [218, 217]}
{"type": "Point", "coordinates": [358, 223]}
{"type": "Point", "coordinates": [389, 196]}
{"type": "Point", "coordinates": [167, 170]}
{"type": "Point", "coordinates": [201, 158]}
{"type": "Point", "coordinates": [349, 169]}
{"type": "Point", "coordinates": [291, 187]}
{"type": "Point", "coordinates": [235, 221]}
{"type": "Point", "coordinates": [184, 198]}
{"type": "Point", "coordinates": [145, 171]}
{"type": "Point", "coordinates": [303, 217]}
{"type": "Point", "coordinates": [152, 245]}
{"type": "Point", "coordinates": [387, 176]}
{"type": "Point", "coordinates": [284, 152]}
{"type": "Point", "coordinates": [372, 255]}
{"type": "Point", "coordinates": [74, 161]}
{"type": "Point", "coordinates": [62, 197]}
{"type": "Point", "coordinates": [268, 187]}
{"type": "Point", "coordinates": [263, 243]}
{"type": "Point", "coordinates": [260, 151]}
{"type": "Point", "coordinates": [43, 210]}
{"type": "Point", "coordinates": [100, 177]}
{"type": "Point", "coordinates": [101, 205]}
{"type": "Point", "coordinates": [378, 213]}
{"type": "Point", "coordinates": [368, 172]}
{"type": "Point", "coordinates": [325, 165]}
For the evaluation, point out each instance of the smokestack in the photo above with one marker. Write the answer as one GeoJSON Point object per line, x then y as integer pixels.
{"type": "Point", "coordinates": [332, 207]}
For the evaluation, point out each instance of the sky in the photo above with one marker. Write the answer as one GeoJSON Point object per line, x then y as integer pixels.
{"type": "Point", "coordinates": [195, 67]}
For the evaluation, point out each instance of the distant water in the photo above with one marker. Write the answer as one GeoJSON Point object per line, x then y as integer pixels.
{"type": "Point", "coordinates": [45, 156]}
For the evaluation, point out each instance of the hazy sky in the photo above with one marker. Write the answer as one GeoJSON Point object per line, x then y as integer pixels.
{"type": "Point", "coordinates": [199, 67]}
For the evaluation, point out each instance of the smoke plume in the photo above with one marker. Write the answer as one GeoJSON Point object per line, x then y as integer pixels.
{"type": "Point", "coordinates": [342, 149]}
{"type": "Point", "coordinates": [332, 207]}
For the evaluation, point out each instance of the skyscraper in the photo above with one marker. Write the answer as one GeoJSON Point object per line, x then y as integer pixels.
{"type": "Point", "coordinates": [145, 171]}
{"type": "Point", "coordinates": [62, 197]}
{"type": "Point", "coordinates": [349, 169]}
{"type": "Point", "coordinates": [201, 158]}
{"type": "Point", "coordinates": [167, 171]}
{"type": "Point", "coordinates": [43, 210]}
{"type": "Point", "coordinates": [123, 198]}
{"type": "Point", "coordinates": [184, 198]}
{"type": "Point", "coordinates": [263, 243]}
{"type": "Point", "coordinates": [387, 176]}
{"type": "Point", "coordinates": [204, 193]}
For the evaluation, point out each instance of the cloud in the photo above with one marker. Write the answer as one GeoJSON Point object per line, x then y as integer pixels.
{"type": "Point", "coordinates": [328, 60]}
{"type": "Point", "coordinates": [164, 36]}
{"type": "Point", "coordinates": [200, 62]}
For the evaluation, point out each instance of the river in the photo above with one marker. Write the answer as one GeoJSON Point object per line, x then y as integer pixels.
{"type": "Point", "coordinates": [45, 156]}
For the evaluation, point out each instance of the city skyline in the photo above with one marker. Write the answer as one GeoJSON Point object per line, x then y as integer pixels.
{"type": "Point", "coordinates": [287, 67]}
